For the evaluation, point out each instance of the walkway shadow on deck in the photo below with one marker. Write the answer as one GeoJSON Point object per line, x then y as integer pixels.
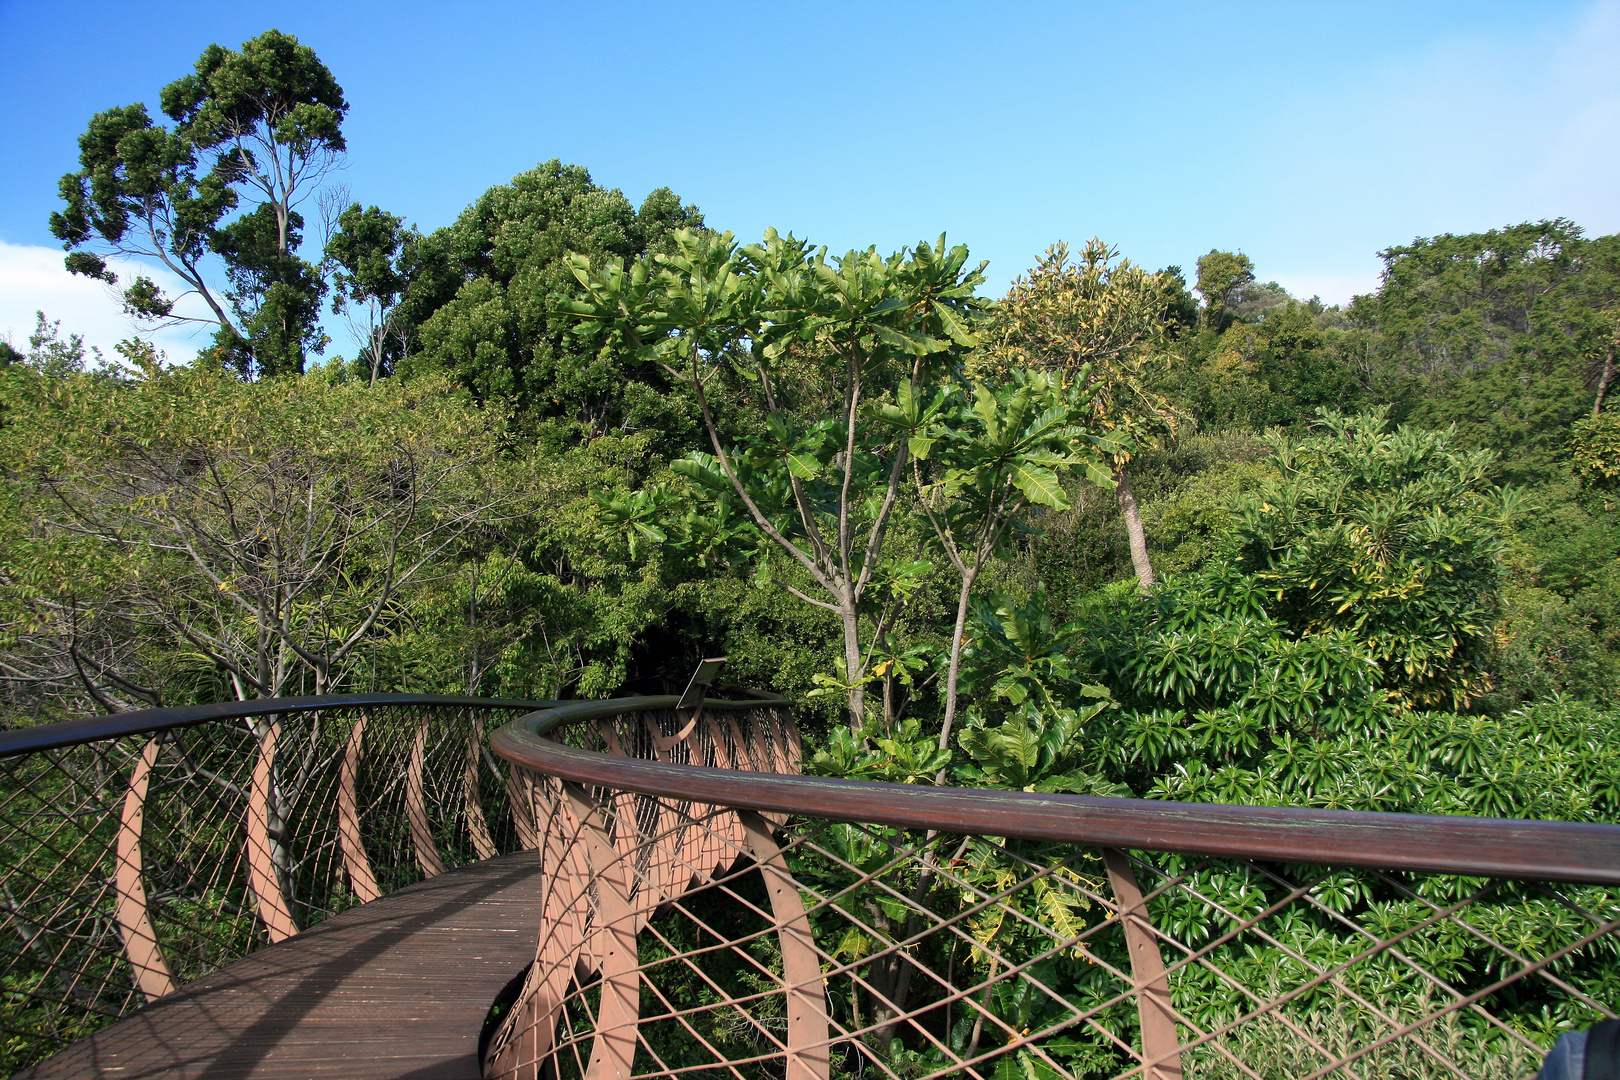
{"type": "Point", "coordinates": [395, 988]}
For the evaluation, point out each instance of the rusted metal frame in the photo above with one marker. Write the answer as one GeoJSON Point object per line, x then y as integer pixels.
{"type": "Point", "coordinates": [88, 848]}
{"type": "Point", "coordinates": [1478, 995]}
{"type": "Point", "coordinates": [1086, 1016]}
{"type": "Point", "coordinates": [680, 836]}
{"type": "Point", "coordinates": [730, 831]}
{"type": "Point", "coordinates": [1479, 1010]}
{"type": "Point", "coordinates": [1324, 974]}
{"type": "Point", "coordinates": [33, 930]}
{"type": "Point", "coordinates": [64, 901]}
{"type": "Point", "coordinates": [1505, 950]}
{"type": "Point", "coordinates": [66, 977]}
{"type": "Point", "coordinates": [1392, 1020]}
{"type": "Point", "coordinates": [531, 1029]}
{"type": "Point", "coordinates": [627, 830]}
{"type": "Point", "coordinates": [1520, 976]}
{"type": "Point", "coordinates": [724, 943]}
{"type": "Point", "coordinates": [1199, 956]}
{"type": "Point", "coordinates": [1266, 1007]}
{"type": "Point", "coordinates": [775, 923]}
{"type": "Point", "coordinates": [990, 900]}
{"type": "Point", "coordinates": [83, 839]}
{"type": "Point", "coordinates": [696, 846]}
{"type": "Point", "coordinates": [300, 774]}
{"type": "Point", "coordinates": [1371, 1006]}
{"type": "Point", "coordinates": [519, 801]}
{"type": "Point", "coordinates": [558, 715]}
{"type": "Point", "coordinates": [1498, 848]}
{"type": "Point", "coordinates": [1565, 902]}
{"type": "Point", "coordinates": [473, 806]}
{"type": "Point", "coordinates": [732, 943]}
{"type": "Point", "coordinates": [680, 1017]}
{"type": "Point", "coordinates": [726, 999]}
{"type": "Point", "coordinates": [941, 923]}
{"type": "Point", "coordinates": [141, 945]}
{"type": "Point", "coordinates": [528, 1034]}
{"type": "Point", "coordinates": [1430, 977]}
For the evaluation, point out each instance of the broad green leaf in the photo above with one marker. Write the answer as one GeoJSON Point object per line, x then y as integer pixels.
{"type": "Point", "coordinates": [803, 465]}
{"type": "Point", "coordinates": [699, 471]}
{"type": "Point", "coordinates": [954, 326]}
{"type": "Point", "coordinates": [1039, 485]}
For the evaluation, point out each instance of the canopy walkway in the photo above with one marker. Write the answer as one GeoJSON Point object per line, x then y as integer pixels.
{"type": "Point", "coordinates": [397, 886]}
{"type": "Point", "coordinates": [398, 987]}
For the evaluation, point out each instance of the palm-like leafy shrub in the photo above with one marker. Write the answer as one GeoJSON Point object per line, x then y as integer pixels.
{"type": "Point", "coordinates": [1394, 537]}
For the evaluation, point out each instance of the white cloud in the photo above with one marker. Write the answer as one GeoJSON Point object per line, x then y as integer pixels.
{"type": "Point", "coordinates": [1473, 132]}
{"type": "Point", "coordinates": [33, 279]}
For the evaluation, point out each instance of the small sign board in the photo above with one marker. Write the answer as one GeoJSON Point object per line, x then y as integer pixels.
{"type": "Point", "coordinates": [702, 679]}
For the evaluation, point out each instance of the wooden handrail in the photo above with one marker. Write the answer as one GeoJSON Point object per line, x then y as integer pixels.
{"type": "Point", "coordinates": [1483, 847]}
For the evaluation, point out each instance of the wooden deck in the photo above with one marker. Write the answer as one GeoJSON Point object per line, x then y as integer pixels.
{"type": "Point", "coordinates": [395, 988]}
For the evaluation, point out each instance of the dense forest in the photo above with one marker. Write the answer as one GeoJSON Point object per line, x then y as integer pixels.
{"type": "Point", "coordinates": [1173, 533]}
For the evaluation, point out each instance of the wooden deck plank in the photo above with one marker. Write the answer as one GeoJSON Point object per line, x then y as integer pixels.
{"type": "Point", "coordinates": [397, 988]}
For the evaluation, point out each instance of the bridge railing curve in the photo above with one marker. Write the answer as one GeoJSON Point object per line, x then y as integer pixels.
{"type": "Point", "coordinates": [142, 850]}
{"type": "Point", "coordinates": [712, 913]}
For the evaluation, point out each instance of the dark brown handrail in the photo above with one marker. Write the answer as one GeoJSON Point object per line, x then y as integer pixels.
{"type": "Point", "coordinates": [558, 715]}
{"type": "Point", "coordinates": [1482, 847]}
{"type": "Point", "coordinates": [29, 740]}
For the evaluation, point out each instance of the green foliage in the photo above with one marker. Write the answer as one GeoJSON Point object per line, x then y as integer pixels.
{"type": "Point", "coordinates": [1394, 537]}
{"type": "Point", "coordinates": [265, 122]}
{"type": "Point", "coordinates": [1220, 274]}
{"type": "Point", "coordinates": [369, 254]}
{"type": "Point", "coordinates": [1274, 368]}
{"type": "Point", "coordinates": [54, 357]}
{"type": "Point", "coordinates": [1594, 451]}
{"type": "Point", "coordinates": [1494, 332]}
{"type": "Point", "coordinates": [1459, 303]}
{"type": "Point", "coordinates": [478, 304]}
{"type": "Point", "coordinates": [820, 460]}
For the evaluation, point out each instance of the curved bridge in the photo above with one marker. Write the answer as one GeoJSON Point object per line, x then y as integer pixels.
{"type": "Point", "coordinates": [344, 886]}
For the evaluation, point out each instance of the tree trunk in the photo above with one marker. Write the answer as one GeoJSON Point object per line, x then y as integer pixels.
{"type": "Point", "coordinates": [1133, 526]}
{"type": "Point", "coordinates": [852, 669]}
{"type": "Point", "coordinates": [955, 668]}
{"type": "Point", "coordinates": [1603, 380]}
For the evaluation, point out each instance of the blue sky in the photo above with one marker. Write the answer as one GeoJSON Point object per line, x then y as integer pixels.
{"type": "Point", "coordinates": [1308, 136]}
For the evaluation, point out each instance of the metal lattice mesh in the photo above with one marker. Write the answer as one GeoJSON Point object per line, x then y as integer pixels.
{"type": "Point", "coordinates": [132, 865]}
{"type": "Point", "coordinates": [684, 939]}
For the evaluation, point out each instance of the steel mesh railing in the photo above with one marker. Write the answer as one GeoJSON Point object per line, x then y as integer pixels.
{"type": "Point", "coordinates": [701, 922]}
{"type": "Point", "coordinates": [142, 851]}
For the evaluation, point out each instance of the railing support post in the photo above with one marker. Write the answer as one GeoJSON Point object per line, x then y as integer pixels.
{"type": "Point", "coordinates": [264, 875]}
{"type": "Point", "coordinates": [356, 863]}
{"type": "Point", "coordinates": [1161, 1051]}
{"type": "Point", "coordinates": [427, 853]}
{"type": "Point", "coordinates": [618, 1012]}
{"type": "Point", "coordinates": [809, 1040]}
{"type": "Point", "coordinates": [141, 945]}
